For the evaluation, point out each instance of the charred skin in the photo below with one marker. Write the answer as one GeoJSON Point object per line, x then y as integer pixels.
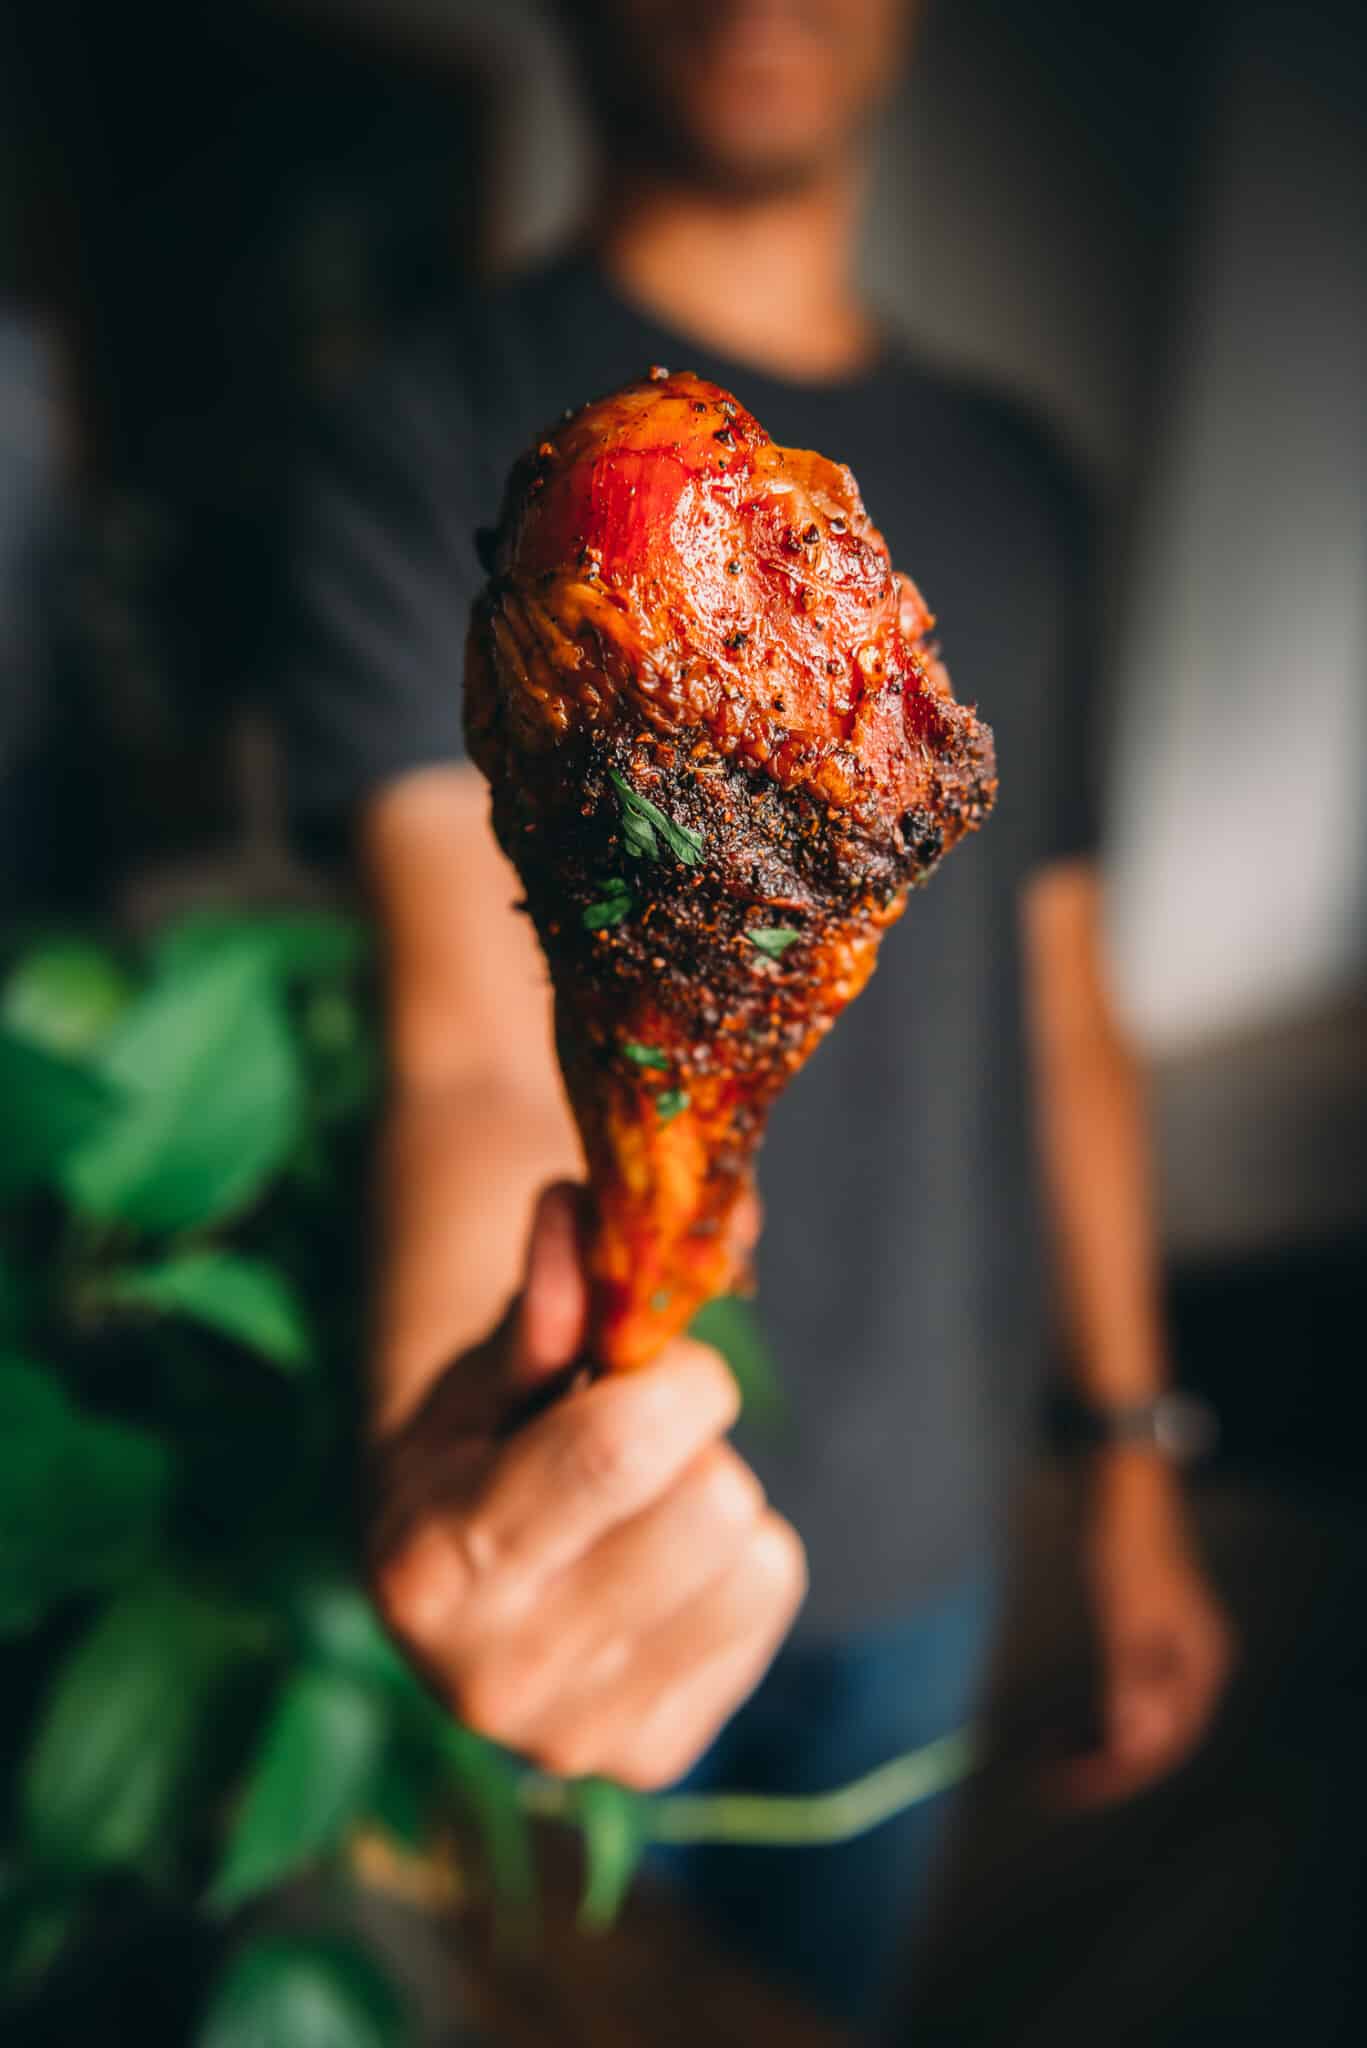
{"type": "Point", "coordinates": [682, 612]}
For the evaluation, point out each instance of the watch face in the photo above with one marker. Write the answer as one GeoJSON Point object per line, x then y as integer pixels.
{"type": "Point", "coordinates": [1183, 1426]}
{"type": "Point", "coordinates": [1177, 1425]}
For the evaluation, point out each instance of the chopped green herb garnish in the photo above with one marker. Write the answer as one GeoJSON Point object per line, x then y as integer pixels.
{"type": "Point", "coordinates": [669, 1102]}
{"type": "Point", "coordinates": [660, 1300]}
{"type": "Point", "coordinates": [600, 917]}
{"type": "Point", "coordinates": [638, 836]}
{"type": "Point", "coordinates": [775, 941]}
{"type": "Point", "coordinates": [646, 1056]}
{"type": "Point", "coordinates": [641, 820]}
{"type": "Point", "coordinates": [614, 904]}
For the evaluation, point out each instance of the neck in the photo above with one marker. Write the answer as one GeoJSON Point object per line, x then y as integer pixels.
{"type": "Point", "coordinates": [767, 281]}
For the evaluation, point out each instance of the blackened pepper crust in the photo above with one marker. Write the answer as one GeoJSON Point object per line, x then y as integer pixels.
{"type": "Point", "coordinates": [682, 614]}
{"type": "Point", "coordinates": [771, 860]}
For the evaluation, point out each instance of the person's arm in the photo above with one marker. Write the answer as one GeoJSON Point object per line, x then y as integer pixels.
{"type": "Point", "coordinates": [598, 1586]}
{"type": "Point", "coordinates": [1164, 1640]}
{"type": "Point", "coordinates": [476, 1121]}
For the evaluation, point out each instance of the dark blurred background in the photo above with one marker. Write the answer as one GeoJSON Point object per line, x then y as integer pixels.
{"type": "Point", "coordinates": [1151, 221]}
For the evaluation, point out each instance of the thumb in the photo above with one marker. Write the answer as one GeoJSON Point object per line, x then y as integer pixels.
{"type": "Point", "coordinates": [551, 1316]}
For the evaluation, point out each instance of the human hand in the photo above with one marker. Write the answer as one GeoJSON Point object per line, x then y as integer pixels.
{"type": "Point", "coordinates": [1166, 1645]}
{"type": "Point", "coordinates": [598, 1586]}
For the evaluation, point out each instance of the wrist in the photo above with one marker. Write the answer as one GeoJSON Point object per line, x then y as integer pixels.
{"type": "Point", "coordinates": [1166, 1424]}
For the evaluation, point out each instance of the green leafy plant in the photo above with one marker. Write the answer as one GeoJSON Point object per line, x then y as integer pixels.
{"type": "Point", "coordinates": [197, 1698]}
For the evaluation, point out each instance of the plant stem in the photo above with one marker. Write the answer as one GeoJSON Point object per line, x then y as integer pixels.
{"type": "Point", "coordinates": [779, 1820]}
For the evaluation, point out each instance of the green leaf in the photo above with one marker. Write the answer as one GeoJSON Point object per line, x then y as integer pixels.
{"type": "Point", "coordinates": [49, 1107]}
{"type": "Point", "coordinates": [615, 1821]}
{"type": "Point", "coordinates": [488, 1781]}
{"type": "Point", "coordinates": [64, 995]}
{"type": "Point", "coordinates": [343, 1058]}
{"type": "Point", "coordinates": [336, 1625]}
{"type": "Point", "coordinates": [774, 941]}
{"type": "Point", "coordinates": [615, 905]}
{"type": "Point", "coordinates": [303, 1991]}
{"type": "Point", "coordinates": [732, 1326]}
{"type": "Point", "coordinates": [82, 1500]}
{"type": "Point", "coordinates": [102, 1786]}
{"type": "Point", "coordinates": [16, 1293]}
{"type": "Point", "coordinates": [406, 1797]}
{"type": "Point", "coordinates": [311, 1779]}
{"type": "Point", "coordinates": [646, 1056]}
{"type": "Point", "coordinates": [671, 1102]}
{"type": "Point", "coordinates": [638, 836]}
{"type": "Point", "coordinates": [242, 1298]}
{"type": "Point", "coordinates": [602, 917]}
{"type": "Point", "coordinates": [330, 1019]}
{"type": "Point", "coordinates": [288, 945]}
{"type": "Point", "coordinates": [213, 1100]}
{"type": "Point", "coordinates": [641, 820]}
{"type": "Point", "coordinates": [36, 1923]}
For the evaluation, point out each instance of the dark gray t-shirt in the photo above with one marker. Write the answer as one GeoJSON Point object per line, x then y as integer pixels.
{"type": "Point", "coordinates": [900, 1269]}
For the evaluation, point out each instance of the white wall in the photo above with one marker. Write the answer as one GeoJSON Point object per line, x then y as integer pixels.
{"type": "Point", "coordinates": [1241, 844]}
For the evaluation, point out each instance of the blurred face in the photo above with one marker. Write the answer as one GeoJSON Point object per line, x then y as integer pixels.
{"type": "Point", "coordinates": [749, 96]}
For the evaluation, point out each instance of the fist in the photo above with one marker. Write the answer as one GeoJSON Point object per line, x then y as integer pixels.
{"type": "Point", "coordinates": [1166, 1645]}
{"type": "Point", "coordinates": [594, 1579]}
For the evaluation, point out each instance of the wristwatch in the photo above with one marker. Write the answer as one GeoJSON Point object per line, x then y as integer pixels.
{"type": "Point", "coordinates": [1179, 1426]}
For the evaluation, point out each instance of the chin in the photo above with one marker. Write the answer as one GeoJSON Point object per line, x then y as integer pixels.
{"type": "Point", "coordinates": [754, 159]}
{"type": "Point", "coordinates": [752, 174]}
{"type": "Point", "coordinates": [747, 131]}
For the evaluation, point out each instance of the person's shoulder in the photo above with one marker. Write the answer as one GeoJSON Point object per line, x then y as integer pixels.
{"type": "Point", "coordinates": [532, 293]}
{"type": "Point", "coordinates": [407, 388]}
{"type": "Point", "coordinates": [1013, 437]}
{"type": "Point", "coordinates": [473, 356]}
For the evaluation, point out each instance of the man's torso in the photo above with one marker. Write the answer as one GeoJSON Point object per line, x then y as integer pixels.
{"type": "Point", "coordinates": [899, 1277]}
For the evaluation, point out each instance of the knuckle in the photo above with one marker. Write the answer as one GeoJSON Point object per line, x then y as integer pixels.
{"type": "Point", "coordinates": [715, 1377]}
{"type": "Point", "coordinates": [607, 1662]}
{"type": "Point", "coordinates": [777, 1555]}
{"type": "Point", "coordinates": [474, 1542]}
{"type": "Point", "coordinates": [732, 1495]}
{"type": "Point", "coordinates": [609, 1451]}
{"type": "Point", "coordinates": [417, 1588]}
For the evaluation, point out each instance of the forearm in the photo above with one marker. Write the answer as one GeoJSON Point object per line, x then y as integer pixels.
{"type": "Point", "coordinates": [1095, 1149]}
{"type": "Point", "coordinates": [458, 1170]}
{"type": "Point", "coordinates": [476, 1122]}
{"type": "Point", "coordinates": [1163, 1643]}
